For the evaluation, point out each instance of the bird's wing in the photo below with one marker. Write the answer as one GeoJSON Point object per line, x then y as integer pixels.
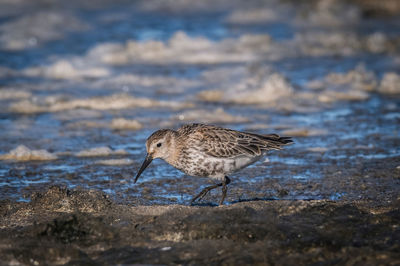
{"type": "Point", "coordinates": [227, 143]}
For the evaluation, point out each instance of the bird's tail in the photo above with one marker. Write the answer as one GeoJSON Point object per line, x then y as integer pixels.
{"type": "Point", "coordinates": [277, 138]}
{"type": "Point", "coordinates": [275, 141]}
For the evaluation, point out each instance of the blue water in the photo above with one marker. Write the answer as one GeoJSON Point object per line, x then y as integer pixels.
{"type": "Point", "coordinates": [355, 131]}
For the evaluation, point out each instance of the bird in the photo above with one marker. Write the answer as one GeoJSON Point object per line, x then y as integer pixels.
{"type": "Point", "coordinates": [209, 151]}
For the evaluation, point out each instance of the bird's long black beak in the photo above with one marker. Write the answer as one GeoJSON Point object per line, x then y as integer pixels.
{"type": "Point", "coordinates": [146, 163]}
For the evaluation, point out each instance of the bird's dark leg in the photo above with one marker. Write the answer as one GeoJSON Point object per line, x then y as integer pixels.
{"type": "Point", "coordinates": [207, 189]}
{"type": "Point", "coordinates": [224, 189]}
{"type": "Point", "coordinates": [204, 192]}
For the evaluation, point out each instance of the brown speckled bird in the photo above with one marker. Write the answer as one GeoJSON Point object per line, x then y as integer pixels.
{"type": "Point", "coordinates": [210, 151]}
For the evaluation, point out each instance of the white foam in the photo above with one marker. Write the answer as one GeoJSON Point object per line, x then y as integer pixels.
{"type": "Point", "coordinates": [23, 153]}
{"type": "Point", "coordinates": [248, 87]}
{"type": "Point", "coordinates": [377, 42]}
{"type": "Point", "coordinates": [87, 124]}
{"type": "Point", "coordinates": [359, 79]}
{"type": "Point", "coordinates": [318, 149]}
{"type": "Point", "coordinates": [115, 162]}
{"type": "Point", "coordinates": [10, 94]}
{"type": "Point", "coordinates": [116, 124]}
{"type": "Point", "coordinates": [390, 83]}
{"type": "Point", "coordinates": [215, 116]}
{"type": "Point", "coordinates": [267, 90]}
{"type": "Point", "coordinates": [353, 85]}
{"type": "Point", "coordinates": [125, 124]}
{"type": "Point", "coordinates": [252, 16]}
{"type": "Point", "coordinates": [99, 151]}
{"type": "Point", "coordinates": [181, 48]}
{"type": "Point", "coordinates": [349, 95]}
{"type": "Point", "coordinates": [343, 43]}
{"type": "Point", "coordinates": [112, 102]}
{"type": "Point", "coordinates": [63, 69]}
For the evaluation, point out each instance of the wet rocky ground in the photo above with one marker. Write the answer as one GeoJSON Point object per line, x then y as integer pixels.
{"type": "Point", "coordinates": [82, 85]}
{"type": "Point", "coordinates": [76, 227]}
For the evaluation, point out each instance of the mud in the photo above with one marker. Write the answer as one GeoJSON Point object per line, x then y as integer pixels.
{"type": "Point", "coordinates": [75, 227]}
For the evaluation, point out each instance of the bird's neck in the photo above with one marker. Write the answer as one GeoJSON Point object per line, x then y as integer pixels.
{"type": "Point", "coordinates": [173, 153]}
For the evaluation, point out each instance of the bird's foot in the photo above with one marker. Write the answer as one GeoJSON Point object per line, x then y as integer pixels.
{"type": "Point", "coordinates": [203, 193]}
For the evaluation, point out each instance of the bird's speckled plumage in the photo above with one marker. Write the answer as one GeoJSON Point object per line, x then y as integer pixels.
{"type": "Point", "coordinates": [211, 151]}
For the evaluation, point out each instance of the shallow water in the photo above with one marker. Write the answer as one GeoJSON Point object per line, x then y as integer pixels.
{"type": "Point", "coordinates": [62, 89]}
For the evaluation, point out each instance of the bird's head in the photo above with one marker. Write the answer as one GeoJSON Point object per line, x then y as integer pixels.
{"type": "Point", "coordinates": [157, 146]}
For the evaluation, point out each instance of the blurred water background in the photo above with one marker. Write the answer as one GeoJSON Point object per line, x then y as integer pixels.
{"type": "Point", "coordinates": [83, 84]}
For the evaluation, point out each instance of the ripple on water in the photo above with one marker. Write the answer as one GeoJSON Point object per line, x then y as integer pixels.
{"type": "Point", "coordinates": [69, 97]}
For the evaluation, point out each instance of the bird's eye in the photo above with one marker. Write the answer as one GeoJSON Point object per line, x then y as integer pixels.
{"type": "Point", "coordinates": [159, 144]}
